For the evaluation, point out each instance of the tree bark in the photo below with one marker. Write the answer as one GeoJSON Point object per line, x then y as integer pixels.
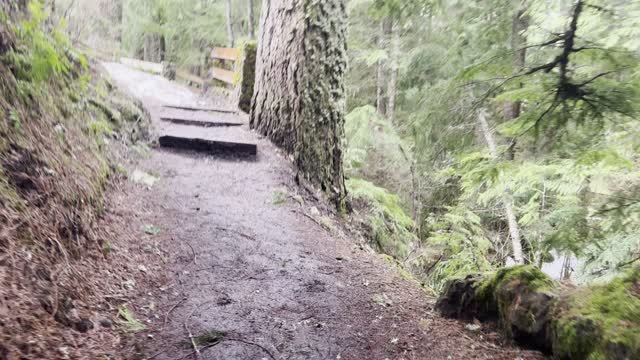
{"type": "Point", "coordinates": [251, 20]}
{"type": "Point", "coordinates": [299, 95]}
{"type": "Point", "coordinates": [386, 27]}
{"type": "Point", "coordinates": [518, 45]}
{"type": "Point", "coordinates": [514, 230]}
{"type": "Point", "coordinates": [232, 38]}
{"type": "Point", "coordinates": [392, 91]}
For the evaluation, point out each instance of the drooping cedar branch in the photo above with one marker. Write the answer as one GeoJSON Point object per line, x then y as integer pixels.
{"type": "Point", "coordinates": [567, 89]}
{"type": "Point", "coordinates": [568, 92]}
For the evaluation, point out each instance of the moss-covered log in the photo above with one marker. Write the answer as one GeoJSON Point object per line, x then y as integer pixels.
{"type": "Point", "coordinates": [598, 322]}
{"type": "Point", "coordinates": [299, 92]}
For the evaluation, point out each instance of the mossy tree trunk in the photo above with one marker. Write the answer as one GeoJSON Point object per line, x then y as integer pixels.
{"type": "Point", "coordinates": [299, 91]}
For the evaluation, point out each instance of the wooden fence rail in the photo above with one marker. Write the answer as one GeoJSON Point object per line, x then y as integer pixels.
{"type": "Point", "coordinates": [225, 54]}
{"type": "Point", "coordinates": [235, 67]}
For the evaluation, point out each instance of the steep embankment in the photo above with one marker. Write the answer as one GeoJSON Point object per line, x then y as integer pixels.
{"type": "Point", "coordinates": [61, 126]}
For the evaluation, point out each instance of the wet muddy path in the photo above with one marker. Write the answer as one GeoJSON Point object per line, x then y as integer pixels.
{"type": "Point", "coordinates": [254, 268]}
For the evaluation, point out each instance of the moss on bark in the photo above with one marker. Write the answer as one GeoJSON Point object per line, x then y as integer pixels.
{"type": "Point", "coordinates": [246, 75]}
{"type": "Point", "coordinates": [299, 92]}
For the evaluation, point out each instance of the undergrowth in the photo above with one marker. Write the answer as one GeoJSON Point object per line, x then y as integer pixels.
{"type": "Point", "coordinates": [390, 228]}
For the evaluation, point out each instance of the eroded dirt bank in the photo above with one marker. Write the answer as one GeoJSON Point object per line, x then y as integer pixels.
{"type": "Point", "coordinates": [243, 255]}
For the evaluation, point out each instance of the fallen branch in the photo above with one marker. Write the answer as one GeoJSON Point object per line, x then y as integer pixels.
{"type": "Point", "coordinates": [190, 334]}
{"type": "Point", "coordinates": [195, 256]}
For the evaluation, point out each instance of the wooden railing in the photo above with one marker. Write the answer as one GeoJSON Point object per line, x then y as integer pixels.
{"type": "Point", "coordinates": [231, 66]}
{"type": "Point", "coordinates": [223, 55]}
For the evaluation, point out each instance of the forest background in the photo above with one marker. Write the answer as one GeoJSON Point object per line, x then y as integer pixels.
{"type": "Point", "coordinates": [479, 133]}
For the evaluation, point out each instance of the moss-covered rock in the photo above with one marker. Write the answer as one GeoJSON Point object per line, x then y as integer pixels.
{"type": "Point", "coordinates": [600, 322]}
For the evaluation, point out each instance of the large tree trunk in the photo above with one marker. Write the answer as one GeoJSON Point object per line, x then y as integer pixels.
{"type": "Point", "coordinates": [299, 95]}
{"type": "Point", "coordinates": [232, 38]}
{"type": "Point", "coordinates": [251, 20]}
{"type": "Point", "coordinates": [514, 230]}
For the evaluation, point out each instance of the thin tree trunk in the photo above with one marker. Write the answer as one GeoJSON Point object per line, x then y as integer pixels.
{"type": "Point", "coordinates": [394, 53]}
{"type": "Point", "coordinates": [299, 95]}
{"type": "Point", "coordinates": [162, 48]}
{"type": "Point", "coordinates": [251, 15]}
{"type": "Point", "coordinates": [146, 46]}
{"type": "Point", "coordinates": [514, 231]}
{"type": "Point", "coordinates": [518, 45]}
{"type": "Point", "coordinates": [232, 39]}
{"type": "Point", "coordinates": [386, 26]}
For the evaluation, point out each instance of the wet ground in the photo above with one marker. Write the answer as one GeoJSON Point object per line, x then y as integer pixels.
{"type": "Point", "coordinates": [258, 266]}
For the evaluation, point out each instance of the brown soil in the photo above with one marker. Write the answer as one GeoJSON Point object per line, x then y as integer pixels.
{"type": "Point", "coordinates": [281, 279]}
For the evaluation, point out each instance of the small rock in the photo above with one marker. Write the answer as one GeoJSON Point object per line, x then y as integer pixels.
{"type": "Point", "coordinates": [64, 351]}
{"type": "Point", "coordinates": [129, 284]}
{"type": "Point", "coordinates": [83, 325]}
{"type": "Point", "coordinates": [473, 327]}
{"type": "Point", "coordinates": [224, 301]}
{"type": "Point", "coordinates": [106, 323]}
{"type": "Point", "coordinates": [142, 268]}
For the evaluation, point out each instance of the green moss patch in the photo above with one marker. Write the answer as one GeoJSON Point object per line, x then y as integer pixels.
{"type": "Point", "coordinates": [601, 322]}
{"type": "Point", "coordinates": [246, 74]}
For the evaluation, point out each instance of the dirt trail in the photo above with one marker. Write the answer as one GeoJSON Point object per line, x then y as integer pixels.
{"type": "Point", "coordinates": [237, 259]}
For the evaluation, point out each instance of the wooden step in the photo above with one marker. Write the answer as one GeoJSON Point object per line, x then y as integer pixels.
{"type": "Point", "coordinates": [213, 147]}
{"type": "Point", "coordinates": [199, 122]}
{"type": "Point", "coordinates": [195, 108]}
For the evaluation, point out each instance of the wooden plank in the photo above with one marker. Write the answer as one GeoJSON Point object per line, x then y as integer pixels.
{"type": "Point", "coordinates": [142, 65]}
{"type": "Point", "coordinates": [223, 75]}
{"type": "Point", "coordinates": [212, 147]}
{"type": "Point", "coordinates": [225, 53]}
{"type": "Point", "coordinates": [194, 108]}
{"type": "Point", "coordinates": [185, 75]}
{"type": "Point", "coordinates": [202, 123]}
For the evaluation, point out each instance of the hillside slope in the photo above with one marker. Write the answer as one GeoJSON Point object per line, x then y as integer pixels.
{"type": "Point", "coordinates": [63, 128]}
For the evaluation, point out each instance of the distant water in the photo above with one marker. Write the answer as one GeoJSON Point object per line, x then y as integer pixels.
{"type": "Point", "coordinates": [554, 268]}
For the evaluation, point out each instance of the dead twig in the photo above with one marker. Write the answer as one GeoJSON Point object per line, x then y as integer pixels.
{"type": "Point", "coordinates": [166, 316]}
{"type": "Point", "coordinates": [310, 217]}
{"type": "Point", "coordinates": [195, 256]}
{"type": "Point", "coordinates": [248, 237]}
{"type": "Point", "coordinates": [251, 343]}
{"type": "Point", "coordinates": [155, 355]}
{"type": "Point", "coordinates": [196, 350]}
